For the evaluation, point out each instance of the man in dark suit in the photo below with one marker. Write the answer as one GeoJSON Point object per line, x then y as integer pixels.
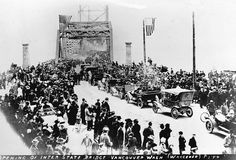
{"type": "Point", "coordinates": [137, 135]}
{"type": "Point", "coordinates": [82, 110]}
{"type": "Point", "coordinates": [182, 142]}
{"type": "Point", "coordinates": [193, 145]}
{"type": "Point", "coordinates": [105, 104]}
{"type": "Point", "coordinates": [120, 137]}
{"type": "Point", "coordinates": [146, 133]}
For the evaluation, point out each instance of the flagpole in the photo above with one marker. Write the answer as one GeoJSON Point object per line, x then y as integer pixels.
{"type": "Point", "coordinates": [194, 63]}
{"type": "Point", "coordinates": [144, 49]}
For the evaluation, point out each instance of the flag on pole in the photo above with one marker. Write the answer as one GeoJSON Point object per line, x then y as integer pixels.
{"type": "Point", "coordinates": [63, 22]}
{"type": "Point", "coordinates": [149, 26]}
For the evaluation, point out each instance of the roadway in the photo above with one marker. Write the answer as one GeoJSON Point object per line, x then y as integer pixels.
{"type": "Point", "coordinates": [207, 143]}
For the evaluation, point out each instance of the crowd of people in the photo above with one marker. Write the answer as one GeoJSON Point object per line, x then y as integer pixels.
{"type": "Point", "coordinates": [48, 88]}
{"type": "Point", "coordinates": [36, 92]}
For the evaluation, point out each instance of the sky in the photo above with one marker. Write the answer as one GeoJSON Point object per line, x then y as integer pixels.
{"type": "Point", "coordinates": [36, 22]}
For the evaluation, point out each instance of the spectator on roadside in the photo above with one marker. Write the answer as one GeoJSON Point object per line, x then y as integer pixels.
{"type": "Point", "coordinates": [105, 105]}
{"type": "Point", "coordinates": [193, 145]}
{"type": "Point", "coordinates": [132, 144]}
{"type": "Point", "coordinates": [211, 107]}
{"type": "Point", "coordinates": [162, 132]}
{"type": "Point", "coordinates": [136, 130]}
{"type": "Point", "coordinates": [87, 143]}
{"type": "Point", "coordinates": [120, 137]}
{"type": "Point", "coordinates": [146, 133]}
{"type": "Point", "coordinates": [230, 143]}
{"type": "Point", "coordinates": [167, 131]}
{"type": "Point", "coordinates": [182, 142]}
{"type": "Point", "coordinates": [105, 141]}
{"type": "Point", "coordinates": [82, 110]}
{"type": "Point", "coordinates": [34, 147]}
{"type": "Point", "coordinates": [89, 117]}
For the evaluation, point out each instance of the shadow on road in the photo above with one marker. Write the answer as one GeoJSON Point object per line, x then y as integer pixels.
{"type": "Point", "coordinates": [169, 115]}
{"type": "Point", "coordinates": [218, 134]}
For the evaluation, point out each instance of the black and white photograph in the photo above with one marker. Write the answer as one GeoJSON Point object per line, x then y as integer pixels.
{"type": "Point", "coordinates": [118, 77]}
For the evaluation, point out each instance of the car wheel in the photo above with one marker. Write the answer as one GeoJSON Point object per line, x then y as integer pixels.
{"type": "Point", "coordinates": [140, 103]}
{"type": "Point", "coordinates": [127, 98]}
{"type": "Point", "coordinates": [204, 116]}
{"type": "Point", "coordinates": [209, 126]}
{"type": "Point", "coordinates": [174, 112]}
{"type": "Point", "coordinates": [189, 112]}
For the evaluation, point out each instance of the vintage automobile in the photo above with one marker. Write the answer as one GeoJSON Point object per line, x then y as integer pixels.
{"type": "Point", "coordinates": [118, 88]}
{"type": "Point", "coordinates": [177, 99]}
{"type": "Point", "coordinates": [218, 121]}
{"type": "Point", "coordinates": [97, 76]}
{"type": "Point", "coordinates": [103, 84]}
{"type": "Point", "coordinates": [142, 96]}
{"type": "Point", "coordinates": [92, 69]}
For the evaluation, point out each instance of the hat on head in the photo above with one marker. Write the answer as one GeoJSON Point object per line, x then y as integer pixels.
{"type": "Point", "coordinates": [150, 123]}
{"type": "Point", "coordinates": [28, 131]}
{"type": "Point", "coordinates": [135, 120]}
{"type": "Point", "coordinates": [35, 141]}
{"type": "Point", "coordinates": [105, 129]}
{"type": "Point", "coordinates": [121, 123]}
{"type": "Point", "coordinates": [131, 134]}
{"type": "Point", "coordinates": [180, 132]}
{"type": "Point", "coordinates": [163, 140]}
{"type": "Point", "coordinates": [128, 120]}
{"type": "Point", "coordinates": [151, 137]}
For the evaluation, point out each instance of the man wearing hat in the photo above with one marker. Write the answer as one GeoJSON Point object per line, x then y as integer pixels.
{"type": "Point", "coordinates": [105, 104]}
{"type": "Point", "coordinates": [146, 133]}
{"type": "Point", "coordinates": [82, 110]}
{"type": "Point", "coordinates": [120, 137]}
{"type": "Point", "coordinates": [136, 131]}
{"type": "Point", "coordinates": [132, 144]}
{"type": "Point", "coordinates": [182, 142]}
{"type": "Point", "coordinates": [72, 111]}
{"type": "Point", "coordinates": [193, 144]}
{"type": "Point", "coordinates": [89, 117]}
{"type": "Point", "coordinates": [56, 130]}
{"type": "Point", "coordinates": [211, 107]}
{"type": "Point", "coordinates": [230, 143]}
{"type": "Point", "coordinates": [34, 147]}
{"type": "Point", "coordinates": [87, 142]}
{"type": "Point", "coordinates": [105, 140]}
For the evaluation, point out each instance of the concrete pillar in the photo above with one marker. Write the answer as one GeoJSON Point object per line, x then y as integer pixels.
{"type": "Point", "coordinates": [128, 53]}
{"type": "Point", "coordinates": [26, 60]}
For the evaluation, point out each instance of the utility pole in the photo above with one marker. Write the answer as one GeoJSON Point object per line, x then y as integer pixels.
{"type": "Point", "coordinates": [80, 12]}
{"type": "Point", "coordinates": [194, 58]}
{"type": "Point", "coordinates": [107, 13]}
{"type": "Point", "coordinates": [144, 50]}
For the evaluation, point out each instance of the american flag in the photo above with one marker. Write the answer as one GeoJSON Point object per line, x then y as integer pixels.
{"type": "Point", "coordinates": [149, 27]}
{"type": "Point", "coordinates": [63, 21]}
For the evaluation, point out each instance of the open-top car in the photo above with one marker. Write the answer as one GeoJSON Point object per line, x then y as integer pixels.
{"type": "Point", "coordinates": [97, 76]}
{"type": "Point", "coordinates": [119, 88]}
{"type": "Point", "coordinates": [219, 121]}
{"type": "Point", "coordinates": [177, 99]}
{"type": "Point", "coordinates": [142, 96]}
{"type": "Point", "coordinates": [103, 84]}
